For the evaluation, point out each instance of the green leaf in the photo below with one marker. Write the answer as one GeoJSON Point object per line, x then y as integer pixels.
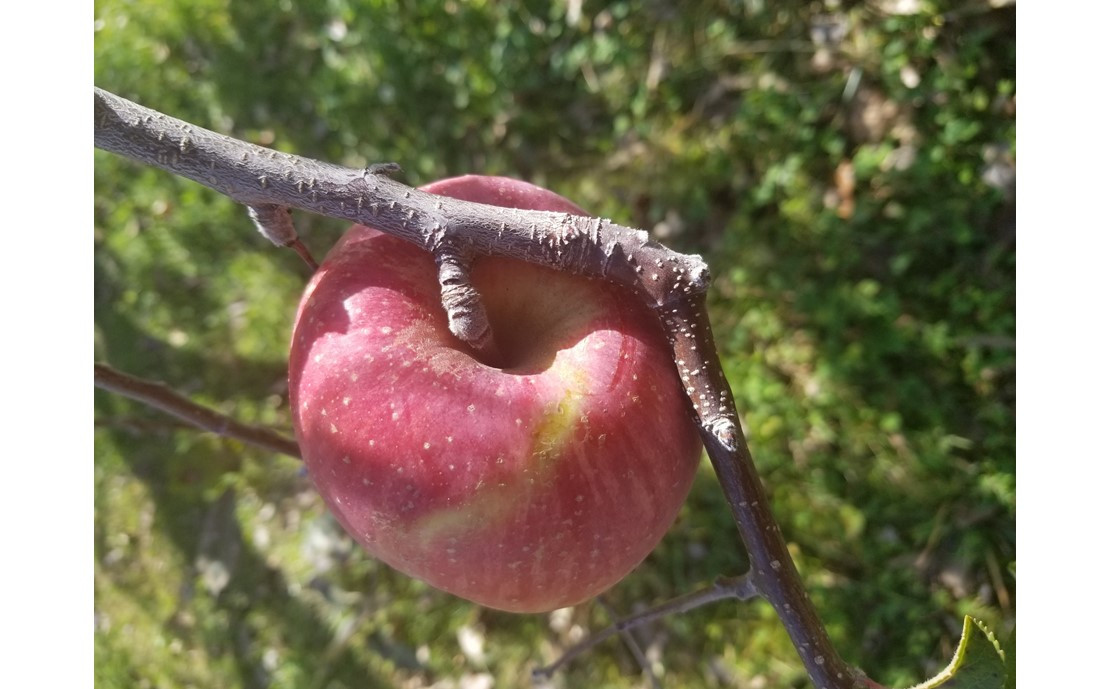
{"type": "Point", "coordinates": [979, 662]}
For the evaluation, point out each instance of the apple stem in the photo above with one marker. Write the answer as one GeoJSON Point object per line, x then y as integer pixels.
{"type": "Point", "coordinates": [161, 397]}
{"type": "Point", "coordinates": [304, 253]}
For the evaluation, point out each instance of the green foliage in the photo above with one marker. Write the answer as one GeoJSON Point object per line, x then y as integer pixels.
{"type": "Point", "coordinates": [852, 198]}
{"type": "Point", "coordinates": [979, 662]}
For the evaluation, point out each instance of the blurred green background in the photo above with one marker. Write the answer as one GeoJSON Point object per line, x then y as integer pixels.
{"type": "Point", "coordinates": [847, 169]}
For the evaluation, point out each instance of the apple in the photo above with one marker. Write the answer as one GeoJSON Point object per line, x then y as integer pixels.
{"type": "Point", "coordinates": [525, 484]}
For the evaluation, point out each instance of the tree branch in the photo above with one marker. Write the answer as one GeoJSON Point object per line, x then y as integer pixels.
{"type": "Point", "coordinates": [161, 397]}
{"type": "Point", "coordinates": [259, 177]}
{"type": "Point", "coordinates": [672, 284]}
{"type": "Point", "coordinates": [740, 588]}
{"type": "Point", "coordinates": [773, 571]}
{"type": "Point", "coordinates": [632, 645]}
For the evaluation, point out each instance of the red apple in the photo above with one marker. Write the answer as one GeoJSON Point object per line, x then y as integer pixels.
{"type": "Point", "coordinates": [527, 485]}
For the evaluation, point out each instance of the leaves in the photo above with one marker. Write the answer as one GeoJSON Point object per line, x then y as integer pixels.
{"type": "Point", "coordinates": [979, 662]}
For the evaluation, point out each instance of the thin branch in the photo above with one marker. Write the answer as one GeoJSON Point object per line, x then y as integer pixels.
{"type": "Point", "coordinates": [632, 645]}
{"type": "Point", "coordinates": [262, 178]}
{"type": "Point", "coordinates": [161, 397]}
{"type": "Point", "coordinates": [673, 284]}
{"type": "Point", "coordinates": [740, 588]}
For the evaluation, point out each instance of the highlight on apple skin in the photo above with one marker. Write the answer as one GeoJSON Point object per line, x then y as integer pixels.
{"type": "Point", "coordinates": [526, 484]}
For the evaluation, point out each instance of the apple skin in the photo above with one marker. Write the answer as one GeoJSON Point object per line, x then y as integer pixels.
{"type": "Point", "coordinates": [528, 485]}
